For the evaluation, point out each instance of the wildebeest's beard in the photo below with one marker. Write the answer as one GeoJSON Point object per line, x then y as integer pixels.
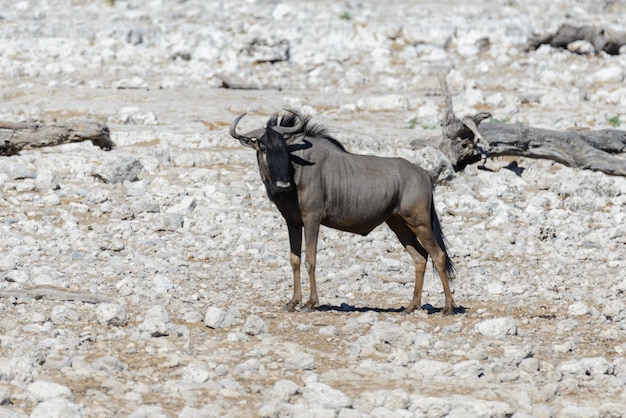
{"type": "Point", "coordinates": [274, 163]}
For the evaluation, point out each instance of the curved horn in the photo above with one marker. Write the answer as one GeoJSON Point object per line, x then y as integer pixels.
{"type": "Point", "coordinates": [248, 138]}
{"type": "Point", "coordinates": [286, 130]}
{"type": "Point", "coordinates": [233, 129]}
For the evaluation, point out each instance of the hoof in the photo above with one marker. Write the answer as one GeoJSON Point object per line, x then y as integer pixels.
{"type": "Point", "coordinates": [308, 307]}
{"type": "Point", "coordinates": [411, 308]}
{"type": "Point", "coordinates": [290, 308]}
{"type": "Point", "coordinates": [448, 311]}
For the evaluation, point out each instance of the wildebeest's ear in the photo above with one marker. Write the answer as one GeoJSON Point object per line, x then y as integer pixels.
{"type": "Point", "coordinates": [293, 139]}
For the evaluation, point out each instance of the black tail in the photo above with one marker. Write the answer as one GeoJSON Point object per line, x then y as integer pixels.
{"type": "Point", "coordinates": [441, 240]}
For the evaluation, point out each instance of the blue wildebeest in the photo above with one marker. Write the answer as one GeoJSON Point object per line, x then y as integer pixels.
{"type": "Point", "coordinates": [314, 181]}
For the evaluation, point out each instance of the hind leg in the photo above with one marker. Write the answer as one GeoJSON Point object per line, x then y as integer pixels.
{"type": "Point", "coordinates": [311, 233]}
{"type": "Point", "coordinates": [424, 234]}
{"type": "Point", "coordinates": [418, 255]}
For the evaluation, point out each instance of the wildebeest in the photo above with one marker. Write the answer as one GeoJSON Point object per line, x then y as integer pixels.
{"type": "Point", "coordinates": [314, 181]}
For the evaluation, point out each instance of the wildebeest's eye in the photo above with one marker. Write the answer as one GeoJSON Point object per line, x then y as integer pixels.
{"type": "Point", "coordinates": [262, 146]}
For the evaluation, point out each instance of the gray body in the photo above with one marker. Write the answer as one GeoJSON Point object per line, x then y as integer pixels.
{"type": "Point", "coordinates": [355, 193]}
{"type": "Point", "coordinates": [313, 181]}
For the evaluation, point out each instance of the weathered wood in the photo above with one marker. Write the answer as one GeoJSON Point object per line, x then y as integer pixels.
{"type": "Point", "coordinates": [15, 136]}
{"type": "Point", "coordinates": [467, 141]}
{"type": "Point", "coordinates": [53, 293]}
{"type": "Point", "coordinates": [602, 39]}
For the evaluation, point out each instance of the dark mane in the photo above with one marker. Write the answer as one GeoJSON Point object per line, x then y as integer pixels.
{"type": "Point", "coordinates": [311, 130]}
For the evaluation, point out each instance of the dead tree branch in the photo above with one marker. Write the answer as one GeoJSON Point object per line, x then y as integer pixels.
{"type": "Point", "coordinates": [467, 141]}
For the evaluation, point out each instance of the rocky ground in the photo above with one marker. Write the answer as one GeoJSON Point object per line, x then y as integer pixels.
{"type": "Point", "coordinates": [149, 281]}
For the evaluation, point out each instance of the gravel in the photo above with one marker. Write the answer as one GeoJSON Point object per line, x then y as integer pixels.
{"type": "Point", "coordinates": [182, 262]}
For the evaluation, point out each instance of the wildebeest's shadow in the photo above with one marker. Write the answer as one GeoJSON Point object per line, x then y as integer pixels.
{"type": "Point", "coordinates": [344, 307]}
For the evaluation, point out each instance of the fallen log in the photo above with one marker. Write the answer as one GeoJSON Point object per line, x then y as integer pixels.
{"type": "Point", "coordinates": [54, 293]}
{"type": "Point", "coordinates": [17, 136]}
{"type": "Point", "coordinates": [470, 140]}
{"type": "Point", "coordinates": [599, 39]}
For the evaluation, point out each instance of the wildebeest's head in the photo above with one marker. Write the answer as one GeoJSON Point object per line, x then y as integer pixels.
{"type": "Point", "coordinates": [270, 144]}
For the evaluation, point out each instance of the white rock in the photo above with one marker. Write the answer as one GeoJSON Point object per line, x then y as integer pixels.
{"type": "Point", "coordinates": [431, 406]}
{"type": "Point", "coordinates": [471, 43]}
{"type": "Point", "coordinates": [567, 346]}
{"type": "Point", "coordinates": [162, 284]}
{"type": "Point", "coordinates": [613, 409]}
{"type": "Point", "coordinates": [614, 309]}
{"type": "Point", "coordinates": [111, 314]}
{"type": "Point", "coordinates": [329, 331]}
{"type": "Point", "coordinates": [185, 207]}
{"type": "Point", "coordinates": [47, 180]}
{"type": "Point", "coordinates": [62, 314]}
{"type": "Point", "coordinates": [423, 339]}
{"type": "Point", "coordinates": [576, 411]}
{"type": "Point", "coordinates": [56, 408]}
{"type": "Point", "coordinates": [155, 322]}
{"type": "Point", "coordinates": [7, 262]}
{"type": "Point", "coordinates": [495, 288]}
{"type": "Point", "coordinates": [320, 394]}
{"type": "Point", "coordinates": [218, 318]}
{"type": "Point", "coordinates": [497, 327]}
{"type": "Point", "coordinates": [109, 364]}
{"type": "Point", "coordinates": [254, 325]}
{"type": "Point", "coordinates": [614, 74]}
{"type": "Point", "coordinates": [384, 332]}
{"type": "Point", "coordinates": [434, 162]}
{"type": "Point", "coordinates": [41, 390]}
{"type": "Point", "coordinates": [146, 204]}
{"type": "Point", "coordinates": [397, 400]}
{"type": "Point", "coordinates": [383, 103]}
{"type": "Point", "coordinates": [230, 384]}
{"type": "Point", "coordinates": [197, 372]}
{"type": "Point", "coordinates": [578, 309]}
{"type": "Point", "coordinates": [593, 366]}
{"type": "Point", "coordinates": [581, 47]}
{"type": "Point", "coordinates": [16, 170]}
{"type": "Point", "coordinates": [149, 411]}
{"type": "Point", "coordinates": [469, 369]}
{"type": "Point", "coordinates": [299, 361]}
{"type": "Point", "coordinates": [431, 368]}
{"type": "Point", "coordinates": [281, 391]}
{"type": "Point", "coordinates": [169, 222]}
{"type": "Point", "coordinates": [130, 83]}
{"type": "Point", "coordinates": [123, 168]}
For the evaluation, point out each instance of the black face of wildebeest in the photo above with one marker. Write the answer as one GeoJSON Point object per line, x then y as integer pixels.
{"type": "Point", "coordinates": [272, 155]}
{"type": "Point", "coordinates": [274, 165]}
{"type": "Point", "coordinates": [314, 181]}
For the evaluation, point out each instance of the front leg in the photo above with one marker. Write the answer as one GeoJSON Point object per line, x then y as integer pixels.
{"type": "Point", "coordinates": [311, 233]}
{"type": "Point", "coordinates": [295, 244]}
